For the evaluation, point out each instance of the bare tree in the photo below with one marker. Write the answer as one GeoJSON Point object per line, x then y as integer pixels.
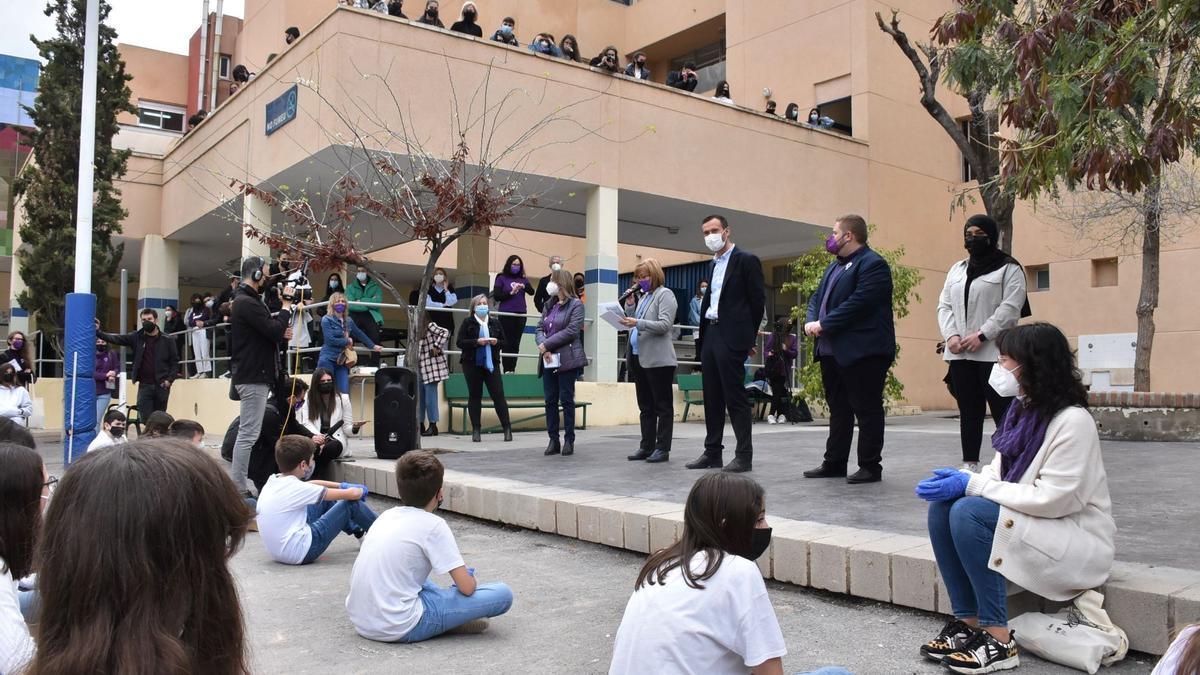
{"type": "Point", "coordinates": [979, 148]}
{"type": "Point", "coordinates": [1119, 221]}
{"type": "Point", "coordinates": [387, 175]}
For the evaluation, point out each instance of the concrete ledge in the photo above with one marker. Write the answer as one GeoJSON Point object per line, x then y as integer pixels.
{"type": "Point", "coordinates": [1146, 415]}
{"type": "Point", "coordinates": [1148, 602]}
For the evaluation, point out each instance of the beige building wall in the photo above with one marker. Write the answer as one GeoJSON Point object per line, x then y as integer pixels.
{"type": "Point", "coordinates": [159, 77]}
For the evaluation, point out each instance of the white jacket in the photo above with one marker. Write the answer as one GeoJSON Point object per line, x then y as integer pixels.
{"type": "Point", "coordinates": [1055, 533]}
{"type": "Point", "coordinates": [995, 304]}
{"type": "Point", "coordinates": [341, 411]}
{"type": "Point", "coordinates": [15, 404]}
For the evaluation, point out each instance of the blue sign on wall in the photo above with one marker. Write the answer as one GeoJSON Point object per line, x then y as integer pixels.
{"type": "Point", "coordinates": [282, 110]}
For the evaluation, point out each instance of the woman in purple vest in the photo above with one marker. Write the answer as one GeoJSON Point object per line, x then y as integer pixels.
{"type": "Point", "coordinates": [510, 290]}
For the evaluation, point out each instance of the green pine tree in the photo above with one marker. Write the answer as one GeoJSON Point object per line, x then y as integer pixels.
{"type": "Point", "coordinates": [48, 184]}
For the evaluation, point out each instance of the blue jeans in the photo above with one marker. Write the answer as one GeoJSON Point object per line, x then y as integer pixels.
{"type": "Point", "coordinates": [961, 532]}
{"type": "Point", "coordinates": [341, 374]}
{"type": "Point", "coordinates": [429, 402]}
{"type": "Point", "coordinates": [559, 387]}
{"type": "Point", "coordinates": [447, 609]}
{"type": "Point", "coordinates": [102, 401]}
{"type": "Point", "coordinates": [326, 519]}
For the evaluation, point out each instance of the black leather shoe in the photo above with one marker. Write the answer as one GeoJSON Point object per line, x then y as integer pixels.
{"type": "Point", "coordinates": [639, 455]}
{"type": "Point", "coordinates": [738, 465]}
{"type": "Point", "coordinates": [568, 448]}
{"type": "Point", "coordinates": [706, 462]}
{"type": "Point", "coordinates": [475, 436]}
{"type": "Point", "coordinates": [425, 431]}
{"type": "Point", "coordinates": [554, 448]}
{"type": "Point", "coordinates": [507, 434]}
{"type": "Point", "coordinates": [658, 456]}
{"type": "Point", "coordinates": [864, 476]}
{"type": "Point", "coordinates": [825, 471]}
{"type": "Point", "coordinates": [433, 429]}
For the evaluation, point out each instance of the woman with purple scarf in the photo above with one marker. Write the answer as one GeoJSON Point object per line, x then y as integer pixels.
{"type": "Point", "coordinates": [1038, 516]}
{"type": "Point", "coordinates": [510, 290]}
{"type": "Point", "coordinates": [560, 346]}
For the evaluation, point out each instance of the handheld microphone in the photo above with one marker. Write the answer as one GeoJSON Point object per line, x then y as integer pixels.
{"type": "Point", "coordinates": [628, 293]}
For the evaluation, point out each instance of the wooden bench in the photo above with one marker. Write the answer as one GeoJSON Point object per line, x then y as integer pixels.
{"type": "Point", "coordinates": [692, 387]}
{"type": "Point", "coordinates": [521, 392]}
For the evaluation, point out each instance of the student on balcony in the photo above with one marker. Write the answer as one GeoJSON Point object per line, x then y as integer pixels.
{"type": "Point", "coordinates": [505, 33]}
{"type": "Point", "coordinates": [570, 48]}
{"type": "Point", "coordinates": [637, 67]}
{"type": "Point", "coordinates": [544, 44]}
{"type": "Point", "coordinates": [722, 94]}
{"type": "Point", "coordinates": [430, 17]}
{"type": "Point", "coordinates": [684, 78]}
{"type": "Point", "coordinates": [466, 22]}
{"type": "Point", "coordinates": [606, 60]}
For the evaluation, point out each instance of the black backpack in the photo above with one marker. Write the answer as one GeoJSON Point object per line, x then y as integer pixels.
{"type": "Point", "coordinates": [797, 411]}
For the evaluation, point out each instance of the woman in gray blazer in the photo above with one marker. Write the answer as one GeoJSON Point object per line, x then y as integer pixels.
{"type": "Point", "coordinates": [651, 360]}
{"type": "Point", "coordinates": [560, 343]}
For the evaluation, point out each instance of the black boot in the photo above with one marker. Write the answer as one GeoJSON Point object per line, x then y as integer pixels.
{"type": "Point", "coordinates": [738, 465]}
{"type": "Point", "coordinates": [508, 434]}
{"type": "Point", "coordinates": [658, 456]}
{"type": "Point", "coordinates": [826, 471]}
{"type": "Point", "coordinates": [638, 456]}
{"type": "Point", "coordinates": [568, 448]}
{"type": "Point", "coordinates": [433, 429]}
{"type": "Point", "coordinates": [475, 435]}
{"type": "Point", "coordinates": [705, 461]}
{"type": "Point", "coordinates": [554, 448]}
{"type": "Point", "coordinates": [425, 431]}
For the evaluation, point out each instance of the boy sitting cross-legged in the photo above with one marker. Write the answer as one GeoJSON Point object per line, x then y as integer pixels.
{"type": "Point", "coordinates": [297, 520]}
{"type": "Point", "coordinates": [391, 597]}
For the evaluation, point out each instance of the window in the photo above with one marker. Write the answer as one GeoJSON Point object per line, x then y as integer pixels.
{"type": "Point", "coordinates": [1038, 277]}
{"type": "Point", "coordinates": [160, 116]}
{"type": "Point", "coordinates": [840, 111]}
{"type": "Point", "coordinates": [710, 65]}
{"type": "Point", "coordinates": [1104, 272]}
{"type": "Point", "coordinates": [223, 67]}
{"type": "Point", "coordinates": [965, 124]}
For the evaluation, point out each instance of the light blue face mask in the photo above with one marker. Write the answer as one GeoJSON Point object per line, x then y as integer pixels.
{"type": "Point", "coordinates": [506, 29]}
{"type": "Point", "coordinates": [481, 311]}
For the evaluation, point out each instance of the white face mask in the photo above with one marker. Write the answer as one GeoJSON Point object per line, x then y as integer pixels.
{"type": "Point", "coordinates": [714, 241]}
{"type": "Point", "coordinates": [439, 278]}
{"type": "Point", "coordinates": [1004, 381]}
{"type": "Point", "coordinates": [361, 276]}
{"type": "Point", "coordinates": [554, 267]}
{"type": "Point", "coordinates": [308, 473]}
{"type": "Point", "coordinates": [552, 288]}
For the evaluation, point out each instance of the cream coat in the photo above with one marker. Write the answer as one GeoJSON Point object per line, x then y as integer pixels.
{"type": "Point", "coordinates": [1055, 533]}
{"type": "Point", "coordinates": [996, 302]}
{"type": "Point", "coordinates": [341, 411]}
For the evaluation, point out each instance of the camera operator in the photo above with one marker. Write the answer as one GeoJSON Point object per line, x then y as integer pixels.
{"type": "Point", "coordinates": [607, 60]}
{"type": "Point", "coordinates": [684, 78]}
{"type": "Point", "coordinates": [254, 356]}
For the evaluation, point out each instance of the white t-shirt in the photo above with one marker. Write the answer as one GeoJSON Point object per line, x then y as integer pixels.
{"type": "Point", "coordinates": [104, 440]}
{"type": "Point", "coordinates": [398, 554]}
{"type": "Point", "coordinates": [728, 626]}
{"type": "Point", "coordinates": [1169, 665]}
{"type": "Point", "coordinates": [283, 517]}
{"type": "Point", "coordinates": [16, 645]}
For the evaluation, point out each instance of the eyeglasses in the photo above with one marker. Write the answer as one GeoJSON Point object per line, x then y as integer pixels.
{"type": "Point", "coordinates": [51, 483]}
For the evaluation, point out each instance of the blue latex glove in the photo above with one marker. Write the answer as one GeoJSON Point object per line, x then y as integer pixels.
{"type": "Point", "coordinates": [364, 489]}
{"type": "Point", "coordinates": [345, 486]}
{"type": "Point", "coordinates": [944, 485]}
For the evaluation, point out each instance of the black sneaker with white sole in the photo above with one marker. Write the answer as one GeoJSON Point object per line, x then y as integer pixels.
{"type": "Point", "coordinates": [953, 637]}
{"type": "Point", "coordinates": [984, 654]}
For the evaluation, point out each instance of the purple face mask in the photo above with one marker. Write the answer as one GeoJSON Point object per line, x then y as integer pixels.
{"type": "Point", "coordinates": [832, 245]}
{"type": "Point", "coordinates": [339, 307]}
{"type": "Point", "coordinates": [644, 284]}
{"type": "Point", "coordinates": [515, 269]}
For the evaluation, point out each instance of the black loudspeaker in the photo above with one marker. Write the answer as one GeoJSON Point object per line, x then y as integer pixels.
{"type": "Point", "coordinates": [395, 412]}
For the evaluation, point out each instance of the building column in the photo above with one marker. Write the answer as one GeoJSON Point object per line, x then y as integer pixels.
{"type": "Point", "coordinates": [600, 339]}
{"type": "Point", "coordinates": [471, 275]}
{"type": "Point", "coordinates": [255, 212]}
{"type": "Point", "coordinates": [158, 276]}
{"type": "Point", "coordinates": [18, 317]}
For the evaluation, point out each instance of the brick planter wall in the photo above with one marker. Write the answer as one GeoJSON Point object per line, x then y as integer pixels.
{"type": "Point", "coordinates": [1146, 415]}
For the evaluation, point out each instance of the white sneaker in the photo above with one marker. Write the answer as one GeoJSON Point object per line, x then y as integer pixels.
{"type": "Point", "coordinates": [973, 467]}
{"type": "Point", "coordinates": [771, 419]}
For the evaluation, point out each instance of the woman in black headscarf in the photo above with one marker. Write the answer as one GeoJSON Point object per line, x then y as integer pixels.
{"type": "Point", "coordinates": [983, 295]}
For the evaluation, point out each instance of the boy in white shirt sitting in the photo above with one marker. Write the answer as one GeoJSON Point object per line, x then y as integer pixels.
{"type": "Point", "coordinates": [112, 431]}
{"type": "Point", "coordinates": [297, 520]}
{"type": "Point", "coordinates": [391, 597]}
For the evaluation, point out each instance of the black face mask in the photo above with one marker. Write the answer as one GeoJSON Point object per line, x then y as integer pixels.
{"type": "Point", "coordinates": [432, 12]}
{"type": "Point", "coordinates": [148, 326]}
{"type": "Point", "coordinates": [440, 500]}
{"type": "Point", "coordinates": [116, 432]}
{"type": "Point", "coordinates": [325, 387]}
{"type": "Point", "coordinates": [977, 244]}
{"type": "Point", "coordinates": [469, 16]}
{"type": "Point", "coordinates": [8, 378]}
{"type": "Point", "coordinates": [102, 347]}
{"type": "Point", "coordinates": [760, 542]}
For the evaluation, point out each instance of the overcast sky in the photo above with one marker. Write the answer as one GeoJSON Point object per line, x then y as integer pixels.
{"type": "Point", "coordinates": [158, 24]}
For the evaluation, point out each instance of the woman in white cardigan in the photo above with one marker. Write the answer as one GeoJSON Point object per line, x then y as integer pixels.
{"type": "Point", "coordinates": [325, 408]}
{"type": "Point", "coordinates": [983, 295]}
{"type": "Point", "coordinates": [1038, 516]}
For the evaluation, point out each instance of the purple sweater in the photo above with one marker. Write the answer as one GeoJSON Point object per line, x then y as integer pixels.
{"type": "Point", "coordinates": [106, 361]}
{"type": "Point", "coordinates": [511, 302]}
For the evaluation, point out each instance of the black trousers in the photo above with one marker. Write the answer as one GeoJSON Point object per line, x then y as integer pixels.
{"type": "Point", "coordinates": [477, 376]}
{"type": "Point", "coordinates": [514, 330]}
{"type": "Point", "coordinates": [780, 394]}
{"type": "Point", "coordinates": [366, 323]}
{"type": "Point", "coordinates": [656, 402]}
{"type": "Point", "coordinates": [724, 375]}
{"type": "Point", "coordinates": [325, 456]}
{"type": "Point", "coordinates": [151, 397]}
{"type": "Point", "coordinates": [855, 392]}
{"type": "Point", "coordinates": [975, 395]}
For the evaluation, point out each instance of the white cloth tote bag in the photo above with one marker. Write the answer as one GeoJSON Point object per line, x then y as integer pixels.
{"type": "Point", "coordinates": [1080, 635]}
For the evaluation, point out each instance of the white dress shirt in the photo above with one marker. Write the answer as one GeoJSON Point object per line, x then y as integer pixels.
{"type": "Point", "coordinates": [720, 262]}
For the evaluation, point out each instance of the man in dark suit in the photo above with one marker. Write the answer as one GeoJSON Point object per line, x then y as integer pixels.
{"type": "Point", "coordinates": [729, 316]}
{"type": "Point", "coordinates": [850, 317]}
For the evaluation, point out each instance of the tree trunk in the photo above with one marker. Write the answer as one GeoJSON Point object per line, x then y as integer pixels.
{"type": "Point", "coordinates": [1148, 298]}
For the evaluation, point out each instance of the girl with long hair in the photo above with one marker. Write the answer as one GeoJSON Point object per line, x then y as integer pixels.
{"type": "Point", "coordinates": [339, 332]}
{"type": "Point", "coordinates": [512, 285]}
{"type": "Point", "coordinates": [141, 584]}
{"type": "Point", "coordinates": [23, 487]}
{"type": "Point", "coordinates": [1039, 515]}
{"type": "Point", "coordinates": [325, 408]}
{"type": "Point", "coordinates": [700, 605]}
{"type": "Point", "coordinates": [20, 354]}
{"type": "Point", "coordinates": [570, 48]}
